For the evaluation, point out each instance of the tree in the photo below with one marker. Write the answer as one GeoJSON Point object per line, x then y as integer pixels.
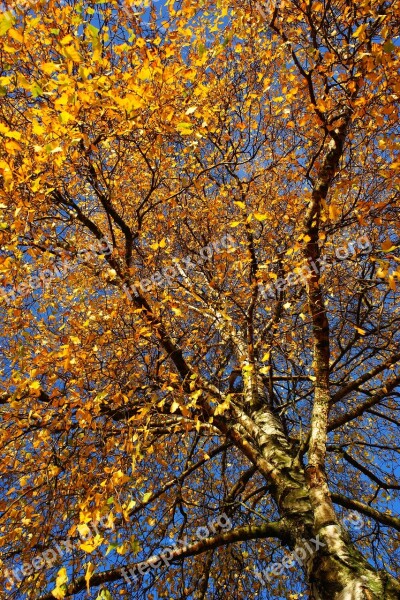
{"type": "Point", "coordinates": [200, 335]}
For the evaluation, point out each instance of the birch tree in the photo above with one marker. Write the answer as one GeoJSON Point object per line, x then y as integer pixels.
{"type": "Point", "coordinates": [199, 300]}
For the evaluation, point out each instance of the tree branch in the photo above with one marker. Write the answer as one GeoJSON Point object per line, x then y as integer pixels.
{"type": "Point", "coordinates": [240, 534]}
{"type": "Point", "coordinates": [366, 510]}
{"type": "Point", "coordinates": [376, 396]}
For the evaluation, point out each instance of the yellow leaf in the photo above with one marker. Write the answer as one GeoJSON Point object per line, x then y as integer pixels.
{"type": "Point", "coordinates": [16, 135]}
{"type": "Point", "coordinates": [72, 53]}
{"type": "Point", "coordinates": [360, 30]}
{"type": "Point", "coordinates": [240, 204]}
{"type": "Point", "coordinates": [174, 406]}
{"type": "Point", "coordinates": [147, 497]}
{"type": "Point", "coordinates": [382, 271]}
{"type": "Point", "coordinates": [9, 49]}
{"type": "Point", "coordinates": [145, 73]}
{"type": "Point", "coordinates": [260, 216]}
{"type": "Point", "coordinates": [123, 549]}
{"type": "Point", "coordinates": [62, 578]}
{"type": "Point", "coordinates": [87, 547]}
{"type": "Point", "coordinates": [184, 128]}
{"type": "Point", "coordinates": [360, 331]}
{"type": "Point", "coordinates": [88, 575]}
{"type": "Point", "coordinates": [334, 212]}
{"type": "Point", "coordinates": [37, 129]}
{"type": "Point", "coordinates": [163, 243]}
{"type": "Point", "coordinates": [221, 408]}
{"type": "Point", "coordinates": [91, 545]}
{"type": "Point", "coordinates": [191, 110]}
{"type": "Point", "coordinates": [16, 35]}
{"type": "Point", "coordinates": [11, 146]}
{"type": "Point", "coordinates": [130, 102]}
{"type": "Point", "coordinates": [54, 470]}
{"type": "Point", "coordinates": [49, 67]}
{"type": "Point", "coordinates": [65, 117]}
{"type": "Point", "coordinates": [83, 529]}
{"type": "Point", "coordinates": [6, 22]}
{"type": "Point", "coordinates": [118, 478]}
{"type": "Point", "coordinates": [35, 385]}
{"type": "Point", "coordinates": [66, 40]}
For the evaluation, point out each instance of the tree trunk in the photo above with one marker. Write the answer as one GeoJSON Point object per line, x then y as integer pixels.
{"type": "Point", "coordinates": [333, 567]}
{"type": "Point", "coordinates": [339, 572]}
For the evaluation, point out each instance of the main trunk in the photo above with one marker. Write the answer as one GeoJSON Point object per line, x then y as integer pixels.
{"type": "Point", "coordinates": [333, 567]}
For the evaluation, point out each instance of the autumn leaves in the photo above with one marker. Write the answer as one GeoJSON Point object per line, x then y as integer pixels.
{"type": "Point", "coordinates": [59, 269]}
{"type": "Point", "coordinates": [167, 275]}
{"type": "Point", "coordinates": [301, 274]}
{"type": "Point", "coordinates": [51, 556]}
